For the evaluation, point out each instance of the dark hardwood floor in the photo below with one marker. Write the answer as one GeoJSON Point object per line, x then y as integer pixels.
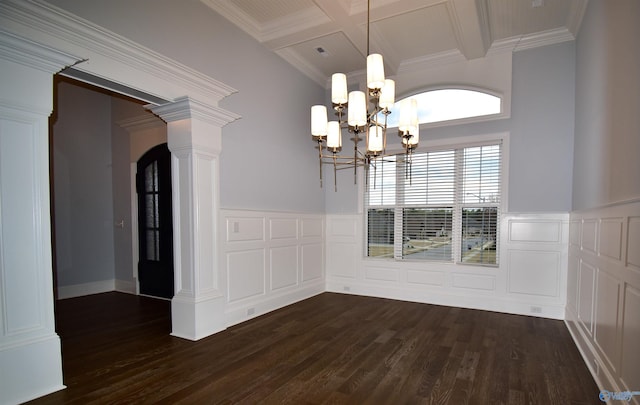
{"type": "Point", "coordinates": [331, 348]}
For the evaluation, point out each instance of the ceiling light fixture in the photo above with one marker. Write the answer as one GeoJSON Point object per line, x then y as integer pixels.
{"type": "Point", "coordinates": [365, 116]}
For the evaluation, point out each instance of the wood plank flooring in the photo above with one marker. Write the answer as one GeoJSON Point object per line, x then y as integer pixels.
{"type": "Point", "coordinates": [332, 348]}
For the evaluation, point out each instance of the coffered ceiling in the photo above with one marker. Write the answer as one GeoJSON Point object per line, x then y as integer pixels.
{"type": "Point", "coordinates": [321, 37]}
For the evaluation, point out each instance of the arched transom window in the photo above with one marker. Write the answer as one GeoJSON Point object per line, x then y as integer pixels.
{"type": "Point", "coordinates": [450, 104]}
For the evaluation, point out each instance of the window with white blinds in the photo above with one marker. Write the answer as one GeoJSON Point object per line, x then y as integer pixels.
{"type": "Point", "coordinates": [446, 210]}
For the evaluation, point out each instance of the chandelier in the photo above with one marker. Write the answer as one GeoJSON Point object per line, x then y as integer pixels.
{"type": "Point", "coordinates": [366, 119]}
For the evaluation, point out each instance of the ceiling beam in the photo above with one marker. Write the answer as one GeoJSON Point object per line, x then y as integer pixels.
{"type": "Point", "coordinates": [470, 25]}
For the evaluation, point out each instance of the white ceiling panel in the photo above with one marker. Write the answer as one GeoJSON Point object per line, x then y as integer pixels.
{"type": "Point", "coordinates": [430, 32]}
{"type": "Point", "coordinates": [340, 55]}
{"type": "Point", "coordinates": [402, 30]}
{"type": "Point", "coordinates": [264, 11]}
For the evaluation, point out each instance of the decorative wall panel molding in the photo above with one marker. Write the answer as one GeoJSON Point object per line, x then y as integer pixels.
{"type": "Point", "coordinates": [603, 312]}
{"type": "Point", "coordinates": [633, 243]}
{"type": "Point", "coordinates": [589, 235]}
{"type": "Point", "coordinates": [535, 231]}
{"type": "Point", "coordinates": [531, 277]}
{"type": "Point", "coordinates": [610, 237]}
{"type": "Point", "coordinates": [271, 259]}
{"type": "Point", "coordinates": [630, 356]}
{"type": "Point", "coordinates": [547, 265]}
{"type": "Point", "coordinates": [586, 292]}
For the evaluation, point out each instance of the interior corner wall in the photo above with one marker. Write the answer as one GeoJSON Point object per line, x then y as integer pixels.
{"type": "Point", "coordinates": [603, 298]}
{"type": "Point", "coordinates": [607, 139]}
{"type": "Point", "coordinates": [82, 190]}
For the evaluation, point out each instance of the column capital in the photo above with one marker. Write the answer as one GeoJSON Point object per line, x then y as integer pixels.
{"type": "Point", "coordinates": [189, 108]}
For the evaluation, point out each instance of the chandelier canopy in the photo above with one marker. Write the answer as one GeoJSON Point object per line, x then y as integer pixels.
{"type": "Point", "coordinates": [366, 118]}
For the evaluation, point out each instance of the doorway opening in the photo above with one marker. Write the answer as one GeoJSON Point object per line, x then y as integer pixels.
{"type": "Point", "coordinates": [94, 210]}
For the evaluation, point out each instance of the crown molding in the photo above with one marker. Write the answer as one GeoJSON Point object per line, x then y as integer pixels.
{"type": "Point", "coordinates": [33, 55]}
{"type": "Point", "coordinates": [429, 61]}
{"type": "Point", "coordinates": [106, 52]}
{"type": "Point", "coordinates": [303, 65]}
{"type": "Point", "coordinates": [524, 42]}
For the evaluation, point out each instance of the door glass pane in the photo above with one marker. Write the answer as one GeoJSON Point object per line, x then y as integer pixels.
{"type": "Point", "coordinates": [151, 211]}
{"type": "Point", "coordinates": [153, 244]}
{"type": "Point", "coordinates": [151, 177]}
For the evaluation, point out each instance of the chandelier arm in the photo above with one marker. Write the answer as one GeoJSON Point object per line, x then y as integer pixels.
{"type": "Point", "coordinates": [355, 159]}
{"type": "Point", "coordinates": [335, 174]}
{"type": "Point", "coordinates": [320, 159]}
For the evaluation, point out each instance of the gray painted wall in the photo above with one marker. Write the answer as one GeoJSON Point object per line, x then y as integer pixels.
{"type": "Point", "coordinates": [542, 127]}
{"type": "Point", "coordinates": [121, 158]}
{"type": "Point", "coordinates": [82, 186]}
{"type": "Point", "coordinates": [541, 135]}
{"type": "Point", "coordinates": [268, 160]}
{"type": "Point", "coordinates": [607, 136]}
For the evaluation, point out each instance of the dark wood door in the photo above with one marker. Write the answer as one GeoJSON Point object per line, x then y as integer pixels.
{"type": "Point", "coordinates": [155, 227]}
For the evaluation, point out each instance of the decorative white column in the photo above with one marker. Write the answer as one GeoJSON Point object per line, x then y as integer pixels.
{"type": "Point", "coordinates": [194, 132]}
{"type": "Point", "coordinates": [30, 356]}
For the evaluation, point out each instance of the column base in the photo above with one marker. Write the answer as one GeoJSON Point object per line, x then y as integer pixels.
{"type": "Point", "coordinates": [30, 369]}
{"type": "Point", "coordinates": [196, 318]}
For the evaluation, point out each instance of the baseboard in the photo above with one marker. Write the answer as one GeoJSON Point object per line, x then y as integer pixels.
{"type": "Point", "coordinates": [471, 301]}
{"type": "Point", "coordinates": [79, 290]}
{"type": "Point", "coordinates": [129, 287]}
{"type": "Point", "coordinates": [238, 313]}
{"type": "Point", "coordinates": [601, 374]}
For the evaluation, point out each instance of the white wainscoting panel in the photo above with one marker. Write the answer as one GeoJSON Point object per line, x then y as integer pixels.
{"type": "Point", "coordinates": [245, 274]}
{"type": "Point", "coordinates": [381, 273]}
{"type": "Point", "coordinates": [536, 256]}
{"type": "Point", "coordinates": [610, 238]}
{"type": "Point", "coordinates": [283, 228]}
{"type": "Point", "coordinates": [586, 291]}
{"type": "Point", "coordinates": [547, 266]}
{"type": "Point", "coordinates": [284, 267]}
{"type": "Point", "coordinates": [608, 299]}
{"type": "Point", "coordinates": [630, 370]}
{"type": "Point", "coordinates": [245, 229]}
{"type": "Point", "coordinates": [312, 227]}
{"type": "Point", "coordinates": [633, 243]}
{"type": "Point", "coordinates": [435, 278]}
{"type": "Point", "coordinates": [522, 230]}
{"type": "Point", "coordinates": [271, 259]}
{"type": "Point", "coordinates": [604, 319]}
{"type": "Point", "coordinates": [589, 235]}
{"type": "Point", "coordinates": [344, 252]}
{"type": "Point", "coordinates": [312, 259]}
{"type": "Point", "coordinates": [474, 282]}
{"type": "Point", "coordinates": [530, 278]}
